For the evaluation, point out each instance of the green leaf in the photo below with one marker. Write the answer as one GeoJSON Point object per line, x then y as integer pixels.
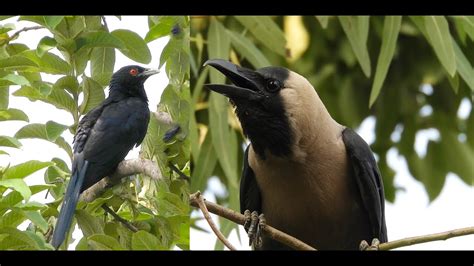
{"type": "Point", "coordinates": [103, 242]}
{"type": "Point", "coordinates": [135, 47]}
{"type": "Point", "coordinates": [4, 98]}
{"type": "Point", "coordinates": [62, 100]}
{"type": "Point", "coordinates": [205, 164]}
{"type": "Point", "coordinates": [356, 29]}
{"type": "Point", "coordinates": [323, 20]}
{"type": "Point", "coordinates": [266, 31]}
{"type": "Point", "coordinates": [437, 31]}
{"type": "Point", "coordinates": [389, 41]}
{"type": "Point", "coordinates": [52, 21]}
{"type": "Point", "coordinates": [463, 66]}
{"type": "Point", "coordinates": [102, 64]}
{"type": "Point", "coordinates": [161, 28]}
{"type": "Point", "coordinates": [64, 145]}
{"type": "Point", "coordinates": [68, 83]}
{"type": "Point", "coordinates": [99, 39]}
{"type": "Point", "coordinates": [16, 240]}
{"type": "Point", "coordinates": [218, 47]}
{"type": "Point", "coordinates": [247, 49]}
{"type": "Point", "coordinates": [48, 63]}
{"type": "Point", "coordinates": [17, 184]}
{"type": "Point", "coordinates": [93, 95]}
{"type": "Point", "coordinates": [49, 131]}
{"type": "Point", "coordinates": [37, 219]}
{"type": "Point", "coordinates": [45, 44]}
{"type": "Point", "coordinates": [82, 245]}
{"type": "Point", "coordinates": [13, 114]}
{"type": "Point", "coordinates": [18, 63]}
{"type": "Point", "coordinates": [89, 224]}
{"type": "Point", "coordinates": [16, 79]}
{"type": "Point", "coordinates": [25, 169]}
{"type": "Point", "coordinates": [7, 141]}
{"type": "Point", "coordinates": [143, 240]}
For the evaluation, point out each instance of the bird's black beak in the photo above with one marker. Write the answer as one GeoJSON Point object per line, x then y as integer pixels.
{"type": "Point", "coordinates": [148, 72]}
{"type": "Point", "coordinates": [246, 81]}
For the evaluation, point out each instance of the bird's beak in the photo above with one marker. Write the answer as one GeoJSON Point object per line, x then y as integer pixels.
{"type": "Point", "coordinates": [246, 81]}
{"type": "Point", "coordinates": [149, 72]}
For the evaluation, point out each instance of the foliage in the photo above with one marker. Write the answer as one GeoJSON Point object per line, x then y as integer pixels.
{"type": "Point", "coordinates": [361, 67]}
{"type": "Point", "coordinates": [158, 209]}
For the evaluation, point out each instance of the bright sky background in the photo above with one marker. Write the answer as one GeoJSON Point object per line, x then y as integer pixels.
{"type": "Point", "coordinates": [410, 215]}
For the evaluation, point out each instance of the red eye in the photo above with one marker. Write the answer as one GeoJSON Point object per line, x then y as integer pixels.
{"type": "Point", "coordinates": [133, 71]}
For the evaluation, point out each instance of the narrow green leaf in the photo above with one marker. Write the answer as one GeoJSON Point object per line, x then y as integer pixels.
{"type": "Point", "coordinates": [25, 169]}
{"type": "Point", "coordinates": [16, 240]}
{"type": "Point", "coordinates": [7, 141]}
{"type": "Point", "coordinates": [48, 63]}
{"type": "Point", "coordinates": [135, 47]}
{"type": "Point", "coordinates": [437, 30]}
{"type": "Point", "coordinates": [323, 20]}
{"type": "Point", "coordinates": [391, 29]}
{"type": "Point", "coordinates": [463, 66]}
{"type": "Point", "coordinates": [18, 63]}
{"type": "Point", "coordinates": [357, 29]}
{"type": "Point", "coordinates": [52, 21]}
{"type": "Point", "coordinates": [102, 64]}
{"type": "Point", "coordinates": [266, 31]}
{"type": "Point", "coordinates": [37, 219]}
{"type": "Point", "coordinates": [44, 45]}
{"type": "Point", "coordinates": [205, 164]}
{"type": "Point", "coordinates": [17, 184]}
{"type": "Point", "coordinates": [4, 98]}
{"type": "Point", "coordinates": [93, 95]}
{"type": "Point", "coordinates": [13, 114]}
{"type": "Point", "coordinates": [247, 49]}
{"type": "Point", "coordinates": [143, 240]}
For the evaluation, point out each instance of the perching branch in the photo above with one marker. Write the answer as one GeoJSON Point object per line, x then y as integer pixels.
{"type": "Point", "coordinates": [17, 33]}
{"type": "Point", "coordinates": [124, 169]}
{"type": "Point", "coordinates": [426, 238]}
{"type": "Point", "coordinates": [205, 212]}
{"type": "Point", "coordinates": [240, 219]}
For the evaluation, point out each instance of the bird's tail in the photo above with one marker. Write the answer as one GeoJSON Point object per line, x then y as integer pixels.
{"type": "Point", "coordinates": [69, 205]}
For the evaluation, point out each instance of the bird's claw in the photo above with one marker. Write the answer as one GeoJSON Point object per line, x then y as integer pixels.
{"type": "Point", "coordinates": [254, 225]}
{"type": "Point", "coordinates": [364, 246]}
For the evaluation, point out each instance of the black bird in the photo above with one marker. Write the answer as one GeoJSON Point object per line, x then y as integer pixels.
{"type": "Point", "coordinates": [104, 137]}
{"type": "Point", "coordinates": [312, 177]}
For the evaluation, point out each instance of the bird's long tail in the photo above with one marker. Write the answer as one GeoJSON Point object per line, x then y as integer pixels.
{"type": "Point", "coordinates": [69, 205]}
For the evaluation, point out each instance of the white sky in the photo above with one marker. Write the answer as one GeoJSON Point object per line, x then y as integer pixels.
{"type": "Point", "coordinates": [410, 215]}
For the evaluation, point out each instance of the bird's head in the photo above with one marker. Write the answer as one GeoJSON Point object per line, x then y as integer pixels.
{"type": "Point", "coordinates": [273, 104]}
{"type": "Point", "coordinates": [130, 79]}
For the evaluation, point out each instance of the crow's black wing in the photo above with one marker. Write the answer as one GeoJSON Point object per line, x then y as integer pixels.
{"type": "Point", "coordinates": [250, 198]}
{"type": "Point", "coordinates": [369, 181]}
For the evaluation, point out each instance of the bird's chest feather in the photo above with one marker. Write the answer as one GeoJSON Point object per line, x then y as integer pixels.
{"type": "Point", "coordinates": [308, 198]}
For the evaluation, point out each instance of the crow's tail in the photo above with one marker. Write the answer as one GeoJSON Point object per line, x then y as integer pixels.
{"type": "Point", "coordinates": [69, 205]}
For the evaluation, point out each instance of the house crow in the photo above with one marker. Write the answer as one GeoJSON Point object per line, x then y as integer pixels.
{"type": "Point", "coordinates": [310, 176]}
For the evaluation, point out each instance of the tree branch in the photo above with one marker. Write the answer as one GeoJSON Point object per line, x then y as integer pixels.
{"type": "Point", "coordinates": [240, 219]}
{"type": "Point", "coordinates": [426, 238]}
{"type": "Point", "coordinates": [124, 169]}
{"type": "Point", "coordinates": [17, 33]}
{"type": "Point", "coordinates": [120, 219]}
{"type": "Point", "coordinates": [202, 205]}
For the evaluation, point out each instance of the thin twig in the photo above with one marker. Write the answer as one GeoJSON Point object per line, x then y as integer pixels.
{"type": "Point", "coordinates": [176, 170]}
{"type": "Point", "coordinates": [14, 35]}
{"type": "Point", "coordinates": [120, 219]}
{"type": "Point", "coordinates": [426, 238]}
{"type": "Point", "coordinates": [202, 205]}
{"type": "Point", "coordinates": [238, 218]}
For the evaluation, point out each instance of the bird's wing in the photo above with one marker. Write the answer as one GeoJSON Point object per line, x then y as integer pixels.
{"type": "Point", "coordinates": [250, 198]}
{"type": "Point", "coordinates": [369, 181]}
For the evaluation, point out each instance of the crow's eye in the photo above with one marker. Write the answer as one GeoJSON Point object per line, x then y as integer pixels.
{"type": "Point", "coordinates": [133, 71]}
{"type": "Point", "coordinates": [273, 85]}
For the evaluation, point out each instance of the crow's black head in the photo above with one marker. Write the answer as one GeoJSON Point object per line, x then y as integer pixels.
{"type": "Point", "coordinates": [129, 80]}
{"type": "Point", "coordinates": [259, 104]}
